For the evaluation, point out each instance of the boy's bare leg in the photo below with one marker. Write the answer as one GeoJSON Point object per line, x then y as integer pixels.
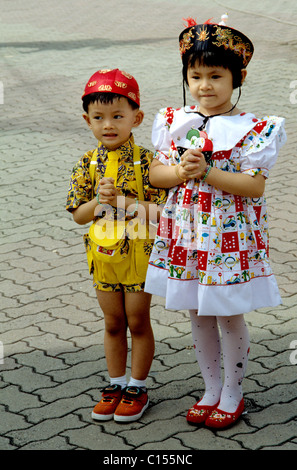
{"type": "Point", "coordinates": [115, 336]}
{"type": "Point", "coordinates": [137, 307]}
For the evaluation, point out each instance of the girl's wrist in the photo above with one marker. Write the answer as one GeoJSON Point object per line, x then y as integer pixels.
{"type": "Point", "coordinates": [205, 173]}
{"type": "Point", "coordinates": [176, 169]}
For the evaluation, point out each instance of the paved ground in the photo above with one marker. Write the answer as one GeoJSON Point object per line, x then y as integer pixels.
{"type": "Point", "coordinates": [51, 326]}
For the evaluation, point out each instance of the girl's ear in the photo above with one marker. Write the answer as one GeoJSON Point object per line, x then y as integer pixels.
{"type": "Point", "coordinates": [138, 118]}
{"type": "Point", "coordinates": [243, 75]}
{"type": "Point", "coordinates": [87, 119]}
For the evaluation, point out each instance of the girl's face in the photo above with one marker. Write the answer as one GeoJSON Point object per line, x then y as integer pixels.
{"type": "Point", "coordinates": [212, 87]}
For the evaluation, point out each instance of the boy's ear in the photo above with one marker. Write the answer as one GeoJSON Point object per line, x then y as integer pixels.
{"type": "Point", "coordinates": [243, 75]}
{"type": "Point", "coordinates": [87, 119]}
{"type": "Point", "coordinates": [138, 118]}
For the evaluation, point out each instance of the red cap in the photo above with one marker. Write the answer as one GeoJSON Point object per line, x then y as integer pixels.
{"type": "Point", "coordinates": [113, 81]}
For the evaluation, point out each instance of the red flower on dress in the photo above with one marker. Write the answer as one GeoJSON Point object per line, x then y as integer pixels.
{"type": "Point", "coordinates": [169, 115]}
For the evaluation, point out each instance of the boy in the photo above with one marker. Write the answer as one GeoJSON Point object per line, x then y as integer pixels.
{"type": "Point", "coordinates": [111, 110]}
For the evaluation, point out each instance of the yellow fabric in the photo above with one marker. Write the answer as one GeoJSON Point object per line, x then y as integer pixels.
{"type": "Point", "coordinates": [130, 180]}
{"type": "Point", "coordinates": [130, 271]}
{"type": "Point", "coordinates": [109, 234]}
{"type": "Point", "coordinates": [112, 166]}
{"type": "Point", "coordinates": [80, 187]}
{"type": "Point", "coordinates": [108, 238]}
{"type": "Point", "coordinates": [137, 171]}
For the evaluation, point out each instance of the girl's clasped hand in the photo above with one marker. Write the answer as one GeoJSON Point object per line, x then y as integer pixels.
{"type": "Point", "coordinates": [192, 164]}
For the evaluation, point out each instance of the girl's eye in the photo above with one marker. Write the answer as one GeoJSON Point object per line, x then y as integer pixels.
{"type": "Point", "coordinates": [215, 77]}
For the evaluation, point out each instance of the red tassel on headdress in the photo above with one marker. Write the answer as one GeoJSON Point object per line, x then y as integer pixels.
{"type": "Point", "coordinates": [190, 22]}
{"type": "Point", "coordinates": [193, 22]}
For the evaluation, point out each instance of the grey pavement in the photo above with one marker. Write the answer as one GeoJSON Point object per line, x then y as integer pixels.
{"type": "Point", "coordinates": [51, 328]}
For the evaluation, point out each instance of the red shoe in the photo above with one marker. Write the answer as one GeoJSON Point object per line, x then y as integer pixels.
{"type": "Point", "coordinates": [220, 419]}
{"type": "Point", "coordinates": [132, 405]}
{"type": "Point", "coordinates": [111, 397]}
{"type": "Point", "coordinates": [199, 413]}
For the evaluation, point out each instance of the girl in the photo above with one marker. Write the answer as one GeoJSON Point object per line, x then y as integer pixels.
{"type": "Point", "coordinates": [211, 250]}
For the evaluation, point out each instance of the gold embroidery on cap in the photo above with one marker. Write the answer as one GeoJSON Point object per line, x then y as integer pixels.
{"type": "Point", "coordinates": [127, 75]}
{"type": "Point", "coordinates": [132, 95]}
{"type": "Point", "coordinates": [105, 88]}
{"type": "Point", "coordinates": [120, 84]}
{"type": "Point", "coordinates": [226, 39]}
{"type": "Point", "coordinates": [186, 41]}
{"type": "Point", "coordinates": [202, 34]}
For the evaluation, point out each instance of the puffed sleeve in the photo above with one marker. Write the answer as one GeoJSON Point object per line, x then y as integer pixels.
{"type": "Point", "coordinates": [261, 146]}
{"type": "Point", "coordinates": [161, 137]}
{"type": "Point", "coordinates": [80, 186]}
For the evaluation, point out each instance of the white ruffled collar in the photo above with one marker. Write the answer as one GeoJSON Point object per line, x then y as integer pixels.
{"type": "Point", "coordinates": [224, 131]}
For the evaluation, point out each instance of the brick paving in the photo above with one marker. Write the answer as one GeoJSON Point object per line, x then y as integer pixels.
{"type": "Point", "coordinates": [51, 327]}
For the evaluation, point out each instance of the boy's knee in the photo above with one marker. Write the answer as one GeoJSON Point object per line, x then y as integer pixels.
{"type": "Point", "coordinates": [115, 327]}
{"type": "Point", "coordinates": [138, 325]}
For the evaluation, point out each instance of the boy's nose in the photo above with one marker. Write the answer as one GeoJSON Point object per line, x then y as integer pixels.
{"type": "Point", "coordinates": [107, 124]}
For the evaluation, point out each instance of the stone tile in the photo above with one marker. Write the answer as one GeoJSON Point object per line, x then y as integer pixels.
{"type": "Point", "coordinates": [51, 326]}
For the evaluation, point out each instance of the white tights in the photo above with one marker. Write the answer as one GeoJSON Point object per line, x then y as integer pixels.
{"type": "Point", "coordinates": [235, 346]}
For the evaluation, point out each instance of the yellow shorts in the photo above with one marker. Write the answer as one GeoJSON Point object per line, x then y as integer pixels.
{"type": "Point", "coordinates": [128, 275]}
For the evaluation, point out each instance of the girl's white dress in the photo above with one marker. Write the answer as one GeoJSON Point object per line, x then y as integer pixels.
{"type": "Point", "coordinates": [211, 251]}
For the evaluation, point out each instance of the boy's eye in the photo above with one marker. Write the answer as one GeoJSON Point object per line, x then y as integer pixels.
{"type": "Point", "coordinates": [118, 116]}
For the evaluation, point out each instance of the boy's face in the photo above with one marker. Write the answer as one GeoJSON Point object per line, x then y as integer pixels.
{"type": "Point", "coordinates": [112, 123]}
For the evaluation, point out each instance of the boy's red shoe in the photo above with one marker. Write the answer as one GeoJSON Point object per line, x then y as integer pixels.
{"type": "Point", "coordinates": [111, 397]}
{"type": "Point", "coordinates": [133, 404]}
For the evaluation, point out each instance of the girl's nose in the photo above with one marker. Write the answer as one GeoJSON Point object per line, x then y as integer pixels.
{"type": "Point", "coordinates": [205, 84]}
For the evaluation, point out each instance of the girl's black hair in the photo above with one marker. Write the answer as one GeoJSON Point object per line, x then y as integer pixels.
{"type": "Point", "coordinates": [105, 98]}
{"type": "Point", "coordinates": [211, 59]}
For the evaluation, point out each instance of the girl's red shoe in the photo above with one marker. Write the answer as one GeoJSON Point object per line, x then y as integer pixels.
{"type": "Point", "coordinates": [199, 413]}
{"type": "Point", "coordinates": [220, 419]}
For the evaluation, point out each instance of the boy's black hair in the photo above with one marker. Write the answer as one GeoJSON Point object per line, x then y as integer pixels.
{"type": "Point", "coordinates": [105, 98]}
{"type": "Point", "coordinates": [211, 59]}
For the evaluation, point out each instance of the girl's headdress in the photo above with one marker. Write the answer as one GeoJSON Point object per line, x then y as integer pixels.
{"type": "Point", "coordinates": [214, 37]}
